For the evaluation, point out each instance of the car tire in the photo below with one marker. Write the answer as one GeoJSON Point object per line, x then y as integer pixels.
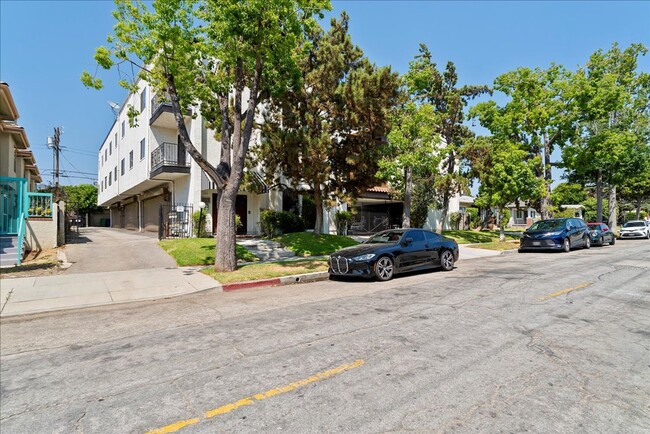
{"type": "Point", "coordinates": [447, 260]}
{"type": "Point", "coordinates": [611, 243]}
{"type": "Point", "coordinates": [601, 242]}
{"type": "Point", "coordinates": [586, 243]}
{"type": "Point", "coordinates": [566, 246]}
{"type": "Point", "coordinates": [384, 268]}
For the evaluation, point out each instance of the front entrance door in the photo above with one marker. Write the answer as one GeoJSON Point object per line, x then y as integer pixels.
{"type": "Point", "coordinates": [241, 209]}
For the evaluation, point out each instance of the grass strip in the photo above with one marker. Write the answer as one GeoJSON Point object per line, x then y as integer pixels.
{"type": "Point", "coordinates": [268, 270]}
{"type": "Point", "coordinates": [199, 251]}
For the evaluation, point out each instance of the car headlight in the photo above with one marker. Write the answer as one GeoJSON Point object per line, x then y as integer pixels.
{"type": "Point", "coordinates": [365, 257]}
{"type": "Point", "coordinates": [552, 234]}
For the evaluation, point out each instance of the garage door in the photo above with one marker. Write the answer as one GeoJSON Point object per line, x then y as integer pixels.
{"type": "Point", "coordinates": [131, 216]}
{"type": "Point", "coordinates": [152, 213]}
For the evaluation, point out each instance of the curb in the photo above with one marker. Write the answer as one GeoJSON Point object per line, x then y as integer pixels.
{"type": "Point", "coordinates": [278, 281]}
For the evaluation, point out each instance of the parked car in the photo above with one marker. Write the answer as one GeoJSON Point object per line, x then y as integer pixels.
{"type": "Point", "coordinates": [636, 229]}
{"type": "Point", "coordinates": [395, 251]}
{"type": "Point", "coordinates": [556, 234]}
{"type": "Point", "coordinates": [601, 234]}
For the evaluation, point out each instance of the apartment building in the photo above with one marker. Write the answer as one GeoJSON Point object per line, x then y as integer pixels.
{"type": "Point", "coordinates": [149, 182]}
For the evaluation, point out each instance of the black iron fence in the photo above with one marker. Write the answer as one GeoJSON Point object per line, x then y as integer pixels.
{"type": "Point", "coordinates": [175, 221]}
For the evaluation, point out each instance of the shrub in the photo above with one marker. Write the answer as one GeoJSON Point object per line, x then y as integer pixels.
{"type": "Point", "coordinates": [473, 217]}
{"type": "Point", "coordinates": [343, 220]}
{"type": "Point", "coordinates": [277, 222]}
{"type": "Point", "coordinates": [631, 215]}
{"type": "Point", "coordinates": [505, 217]}
{"type": "Point", "coordinates": [454, 219]}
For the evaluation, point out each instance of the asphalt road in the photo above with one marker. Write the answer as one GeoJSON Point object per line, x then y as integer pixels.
{"type": "Point", "coordinates": [539, 342]}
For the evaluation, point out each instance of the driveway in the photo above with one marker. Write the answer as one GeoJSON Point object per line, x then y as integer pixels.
{"type": "Point", "coordinates": [106, 249]}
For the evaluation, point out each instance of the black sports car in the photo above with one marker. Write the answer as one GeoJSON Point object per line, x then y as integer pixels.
{"type": "Point", "coordinates": [395, 251]}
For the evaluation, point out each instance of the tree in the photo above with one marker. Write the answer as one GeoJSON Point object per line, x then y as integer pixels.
{"type": "Point", "coordinates": [637, 190]}
{"type": "Point", "coordinates": [224, 56]}
{"type": "Point", "coordinates": [328, 131]}
{"type": "Point", "coordinates": [611, 101]}
{"type": "Point", "coordinates": [568, 194]}
{"type": "Point", "coordinates": [537, 117]}
{"type": "Point", "coordinates": [427, 84]}
{"type": "Point", "coordinates": [412, 151]}
{"type": "Point", "coordinates": [81, 199]}
{"type": "Point", "coordinates": [505, 174]}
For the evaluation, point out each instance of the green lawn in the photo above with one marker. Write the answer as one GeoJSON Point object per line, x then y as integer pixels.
{"type": "Point", "coordinates": [309, 244]}
{"type": "Point", "coordinates": [268, 270]}
{"type": "Point", "coordinates": [474, 237]}
{"type": "Point", "coordinates": [199, 251]}
{"type": "Point", "coordinates": [497, 245]}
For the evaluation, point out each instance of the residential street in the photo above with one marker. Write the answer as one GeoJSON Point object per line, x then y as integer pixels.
{"type": "Point", "coordinates": [540, 342]}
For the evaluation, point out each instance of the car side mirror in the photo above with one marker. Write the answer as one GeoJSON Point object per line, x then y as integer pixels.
{"type": "Point", "coordinates": [407, 241]}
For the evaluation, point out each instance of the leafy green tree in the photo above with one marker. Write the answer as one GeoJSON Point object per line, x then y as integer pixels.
{"type": "Point", "coordinates": [225, 56]}
{"type": "Point", "coordinates": [537, 117]}
{"type": "Point", "coordinates": [611, 101]}
{"type": "Point", "coordinates": [505, 174]}
{"type": "Point", "coordinates": [412, 151]}
{"type": "Point", "coordinates": [637, 191]}
{"type": "Point", "coordinates": [568, 194]}
{"type": "Point", "coordinates": [80, 199]}
{"type": "Point", "coordinates": [441, 90]}
{"type": "Point", "coordinates": [328, 131]}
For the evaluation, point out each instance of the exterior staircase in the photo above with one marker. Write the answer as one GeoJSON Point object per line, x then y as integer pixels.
{"type": "Point", "coordinates": [266, 250]}
{"type": "Point", "coordinates": [9, 250]}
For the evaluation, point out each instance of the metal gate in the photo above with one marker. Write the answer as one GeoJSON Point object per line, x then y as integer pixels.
{"type": "Point", "coordinates": [175, 221]}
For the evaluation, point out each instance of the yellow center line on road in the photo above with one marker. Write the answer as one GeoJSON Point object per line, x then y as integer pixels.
{"type": "Point", "coordinates": [565, 291]}
{"type": "Point", "coordinates": [173, 427]}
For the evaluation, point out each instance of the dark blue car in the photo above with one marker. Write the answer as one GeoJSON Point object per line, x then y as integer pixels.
{"type": "Point", "coordinates": [561, 234]}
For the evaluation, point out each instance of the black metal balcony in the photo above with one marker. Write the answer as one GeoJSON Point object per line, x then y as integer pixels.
{"type": "Point", "coordinates": [162, 114]}
{"type": "Point", "coordinates": [169, 158]}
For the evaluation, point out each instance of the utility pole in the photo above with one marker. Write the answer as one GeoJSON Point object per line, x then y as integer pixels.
{"type": "Point", "coordinates": [54, 142]}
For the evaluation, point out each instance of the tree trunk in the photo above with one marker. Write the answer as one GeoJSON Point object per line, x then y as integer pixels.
{"type": "Point", "coordinates": [225, 255]}
{"type": "Point", "coordinates": [599, 196]}
{"type": "Point", "coordinates": [408, 192]}
{"type": "Point", "coordinates": [546, 200]}
{"type": "Point", "coordinates": [612, 208]}
{"type": "Point", "coordinates": [318, 201]}
{"type": "Point", "coordinates": [638, 208]}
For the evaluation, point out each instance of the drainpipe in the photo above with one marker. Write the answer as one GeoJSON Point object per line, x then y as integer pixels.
{"type": "Point", "coordinates": [140, 229]}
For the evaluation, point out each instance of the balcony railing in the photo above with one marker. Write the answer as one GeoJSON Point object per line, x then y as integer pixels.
{"type": "Point", "coordinates": [39, 205]}
{"type": "Point", "coordinates": [169, 155]}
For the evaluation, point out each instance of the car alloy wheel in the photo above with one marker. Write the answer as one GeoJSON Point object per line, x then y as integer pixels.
{"type": "Point", "coordinates": [611, 243]}
{"type": "Point", "coordinates": [566, 246]}
{"type": "Point", "coordinates": [587, 243]}
{"type": "Point", "coordinates": [447, 260]}
{"type": "Point", "coordinates": [384, 268]}
{"type": "Point", "coordinates": [601, 242]}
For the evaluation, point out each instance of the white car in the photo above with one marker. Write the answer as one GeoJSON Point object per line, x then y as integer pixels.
{"type": "Point", "coordinates": [635, 229]}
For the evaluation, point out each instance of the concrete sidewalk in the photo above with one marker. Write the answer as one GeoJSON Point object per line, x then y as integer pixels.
{"type": "Point", "coordinates": [30, 295]}
{"type": "Point", "coordinates": [21, 296]}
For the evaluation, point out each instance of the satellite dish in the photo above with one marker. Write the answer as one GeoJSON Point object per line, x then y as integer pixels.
{"type": "Point", "coordinates": [115, 107]}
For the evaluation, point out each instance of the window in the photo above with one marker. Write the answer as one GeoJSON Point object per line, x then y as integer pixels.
{"type": "Point", "coordinates": [110, 148]}
{"type": "Point", "coordinates": [105, 180]}
{"type": "Point", "coordinates": [142, 144]}
{"type": "Point", "coordinates": [115, 140]}
{"type": "Point", "coordinates": [105, 154]}
{"type": "Point", "coordinates": [521, 214]}
{"type": "Point", "coordinates": [143, 100]}
{"type": "Point", "coordinates": [115, 176]}
{"type": "Point", "coordinates": [533, 214]}
{"type": "Point", "coordinates": [110, 180]}
{"type": "Point", "coordinates": [123, 128]}
{"type": "Point", "coordinates": [416, 235]}
{"type": "Point", "coordinates": [123, 168]}
{"type": "Point", "coordinates": [131, 160]}
{"type": "Point", "coordinates": [430, 236]}
{"type": "Point", "coordinates": [101, 158]}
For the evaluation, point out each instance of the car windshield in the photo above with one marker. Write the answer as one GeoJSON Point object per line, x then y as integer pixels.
{"type": "Point", "coordinates": [545, 225]}
{"type": "Point", "coordinates": [385, 237]}
{"type": "Point", "coordinates": [633, 224]}
{"type": "Point", "coordinates": [594, 227]}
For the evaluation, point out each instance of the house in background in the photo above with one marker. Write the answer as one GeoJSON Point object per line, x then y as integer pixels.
{"type": "Point", "coordinates": [28, 220]}
{"type": "Point", "coordinates": [148, 181]}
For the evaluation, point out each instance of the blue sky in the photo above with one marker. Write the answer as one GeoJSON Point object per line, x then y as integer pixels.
{"type": "Point", "coordinates": [45, 45]}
